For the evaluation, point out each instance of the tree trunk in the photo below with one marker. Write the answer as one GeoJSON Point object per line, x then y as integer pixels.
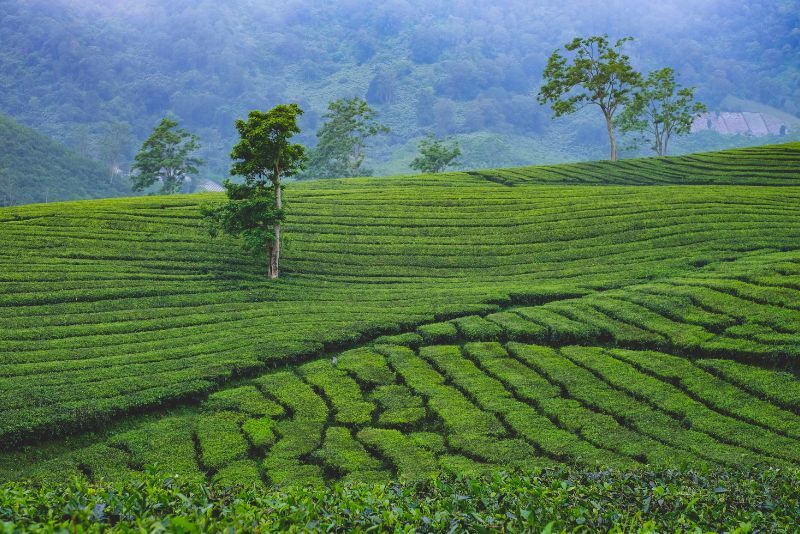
{"type": "Point", "coordinates": [275, 249]}
{"type": "Point", "coordinates": [275, 254]}
{"type": "Point", "coordinates": [611, 138]}
{"type": "Point", "coordinates": [659, 137]}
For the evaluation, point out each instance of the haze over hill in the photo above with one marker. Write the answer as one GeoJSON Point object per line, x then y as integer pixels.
{"type": "Point", "coordinates": [34, 168]}
{"type": "Point", "coordinates": [87, 70]}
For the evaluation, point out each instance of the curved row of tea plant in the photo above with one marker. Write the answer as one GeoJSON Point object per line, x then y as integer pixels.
{"type": "Point", "coordinates": [477, 394]}
{"type": "Point", "coordinates": [761, 165]}
{"type": "Point", "coordinates": [110, 308]}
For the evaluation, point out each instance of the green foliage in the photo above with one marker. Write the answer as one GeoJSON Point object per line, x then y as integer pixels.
{"type": "Point", "coordinates": [367, 365]}
{"type": "Point", "coordinates": [410, 339]}
{"type": "Point", "coordinates": [634, 288]}
{"type": "Point", "coordinates": [526, 408]}
{"type": "Point", "coordinates": [598, 74]}
{"type": "Point", "coordinates": [438, 332]}
{"type": "Point", "coordinates": [782, 388]}
{"type": "Point", "coordinates": [344, 454]}
{"type": "Point", "coordinates": [411, 461]}
{"type": "Point", "coordinates": [245, 399]}
{"type": "Point", "coordinates": [421, 73]}
{"type": "Point", "coordinates": [249, 214]}
{"type": "Point", "coordinates": [263, 156]}
{"type": "Point", "coordinates": [259, 431]}
{"type": "Point", "coordinates": [167, 442]}
{"type": "Point", "coordinates": [283, 464]}
{"type": "Point", "coordinates": [660, 109]}
{"type": "Point", "coordinates": [166, 158]}
{"type": "Point", "coordinates": [491, 395]}
{"type": "Point", "coordinates": [435, 156]}
{"type": "Point", "coordinates": [714, 392]}
{"type": "Point", "coordinates": [459, 415]}
{"type": "Point", "coordinates": [342, 139]}
{"type": "Point", "coordinates": [428, 440]}
{"type": "Point", "coordinates": [475, 328]}
{"type": "Point", "coordinates": [399, 405]}
{"type": "Point", "coordinates": [517, 328]}
{"type": "Point", "coordinates": [264, 153]}
{"type": "Point", "coordinates": [677, 403]}
{"type": "Point", "coordinates": [220, 438]}
{"type": "Point", "coordinates": [343, 392]}
{"type": "Point", "coordinates": [242, 473]}
{"type": "Point", "coordinates": [553, 501]}
{"type": "Point", "coordinates": [288, 389]}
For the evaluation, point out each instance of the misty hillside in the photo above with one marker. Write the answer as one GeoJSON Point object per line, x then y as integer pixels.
{"type": "Point", "coordinates": [34, 168]}
{"type": "Point", "coordinates": [86, 70]}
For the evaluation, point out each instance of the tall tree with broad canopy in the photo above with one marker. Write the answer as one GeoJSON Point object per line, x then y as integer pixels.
{"type": "Point", "coordinates": [342, 139]}
{"type": "Point", "coordinates": [263, 156]}
{"type": "Point", "coordinates": [660, 109]}
{"type": "Point", "coordinates": [166, 157]}
{"type": "Point", "coordinates": [435, 155]}
{"type": "Point", "coordinates": [597, 73]}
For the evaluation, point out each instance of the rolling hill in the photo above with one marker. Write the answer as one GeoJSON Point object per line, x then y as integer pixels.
{"type": "Point", "coordinates": [645, 313]}
{"type": "Point", "coordinates": [34, 168]}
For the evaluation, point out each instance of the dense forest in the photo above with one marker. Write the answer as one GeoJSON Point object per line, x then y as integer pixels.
{"type": "Point", "coordinates": [99, 74]}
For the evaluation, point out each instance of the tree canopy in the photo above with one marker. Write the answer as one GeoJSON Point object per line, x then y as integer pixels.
{"type": "Point", "coordinates": [660, 109]}
{"type": "Point", "coordinates": [435, 155]}
{"type": "Point", "coordinates": [264, 152]}
{"type": "Point", "coordinates": [342, 139]}
{"type": "Point", "coordinates": [596, 73]}
{"type": "Point", "coordinates": [166, 158]}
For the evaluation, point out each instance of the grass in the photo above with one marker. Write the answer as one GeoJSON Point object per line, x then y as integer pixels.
{"type": "Point", "coordinates": [457, 323]}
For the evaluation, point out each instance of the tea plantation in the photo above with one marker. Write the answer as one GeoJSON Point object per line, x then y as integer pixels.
{"type": "Point", "coordinates": [632, 316]}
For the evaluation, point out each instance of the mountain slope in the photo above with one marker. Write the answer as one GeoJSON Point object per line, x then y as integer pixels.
{"type": "Point", "coordinates": [465, 69]}
{"type": "Point", "coordinates": [34, 168]}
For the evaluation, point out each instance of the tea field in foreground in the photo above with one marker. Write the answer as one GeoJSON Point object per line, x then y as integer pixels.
{"type": "Point", "coordinates": [623, 316]}
{"type": "Point", "coordinates": [555, 500]}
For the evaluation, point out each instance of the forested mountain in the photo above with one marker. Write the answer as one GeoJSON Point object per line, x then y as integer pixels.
{"type": "Point", "coordinates": [99, 74]}
{"type": "Point", "coordinates": [34, 168]}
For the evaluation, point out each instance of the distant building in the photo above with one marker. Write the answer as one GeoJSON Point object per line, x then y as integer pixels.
{"type": "Point", "coordinates": [208, 186]}
{"type": "Point", "coordinates": [742, 123]}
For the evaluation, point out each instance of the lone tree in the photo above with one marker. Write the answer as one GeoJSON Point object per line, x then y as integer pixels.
{"type": "Point", "coordinates": [435, 155]}
{"type": "Point", "coordinates": [342, 139]}
{"type": "Point", "coordinates": [598, 73]}
{"type": "Point", "coordinates": [166, 157]}
{"type": "Point", "coordinates": [660, 109]}
{"type": "Point", "coordinates": [263, 156]}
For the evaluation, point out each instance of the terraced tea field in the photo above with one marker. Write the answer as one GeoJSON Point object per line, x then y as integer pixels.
{"type": "Point", "coordinates": [462, 322]}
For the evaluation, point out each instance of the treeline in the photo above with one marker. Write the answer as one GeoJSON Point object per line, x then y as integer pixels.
{"type": "Point", "coordinates": [79, 70]}
{"type": "Point", "coordinates": [594, 72]}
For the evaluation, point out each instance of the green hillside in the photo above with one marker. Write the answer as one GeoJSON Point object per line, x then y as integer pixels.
{"type": "Point", "coordinates": [516, 318]}
{"type": "Point", "coordinates": [34, 168]}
